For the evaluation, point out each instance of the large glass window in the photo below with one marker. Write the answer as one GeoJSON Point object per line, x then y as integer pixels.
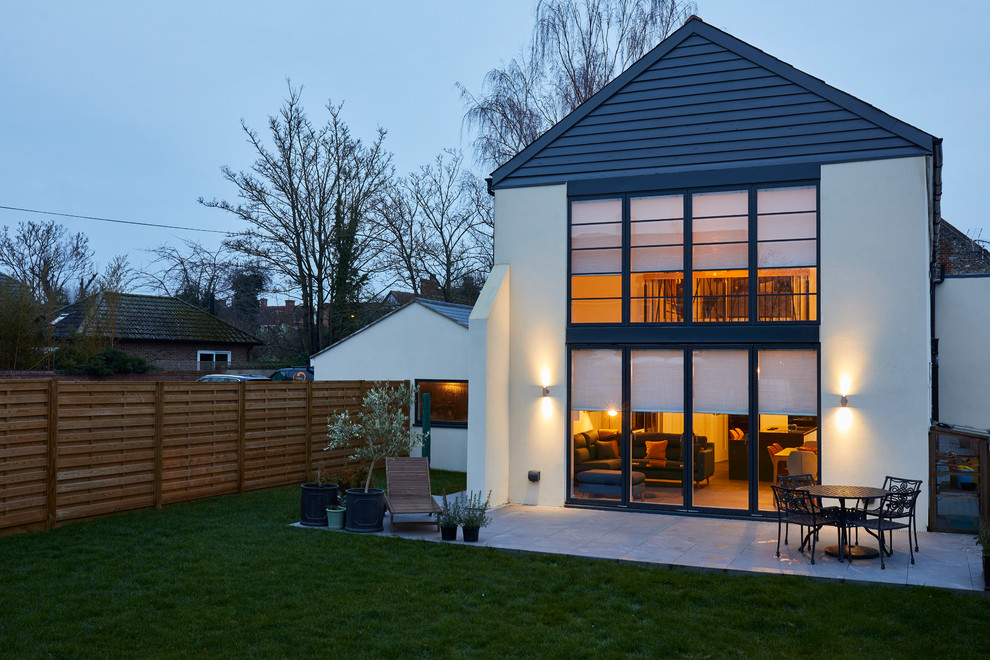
{"type": "Point", "coordinates": [657, 422]}
{"type": "Point", "coordinates": [656, 259]}
{"type": "Point", "coordinates": [720, 235]}
{"type": "Point", "coordinates": [596, 261]}
{"type": "Point", "coordinates": [448, 402]}
{"type": "Point", "coordinates": [720, 258]}
{"type": "Point", "coordinates": [596, 423]}
{"type": "Point", "coordinates": [787, 254]}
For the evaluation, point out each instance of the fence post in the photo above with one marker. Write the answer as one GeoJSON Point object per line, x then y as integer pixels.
{"type": "Point", "coordinates": [309, 429]}
{"type": "Point", "coordinates": [159, 433]}
{"type": "Point", "coordinates": [52, 452]}
{"type": "Point", "coordinates": [240, 435]}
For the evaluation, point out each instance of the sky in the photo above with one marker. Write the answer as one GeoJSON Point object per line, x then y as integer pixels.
{"type": "Point", "coordinates": [128, 110]}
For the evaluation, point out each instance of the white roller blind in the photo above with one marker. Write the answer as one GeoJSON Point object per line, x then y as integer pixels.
{"type": "Point", "coordinates": [788, 382]}
{"type": "Point", "coordinates": [721, 382]}
{"type": "Point", "coordinates": [657, 208]}
{"type": "Point", "coordinates": [596, 380]}
{"type": "Point", "coordinates": [605, 210]}
{"type": "Point", "coordinates": [657, 381]}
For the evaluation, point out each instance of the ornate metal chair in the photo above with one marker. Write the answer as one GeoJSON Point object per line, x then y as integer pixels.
{"type": "Point", "coordinates": [797, 507]}
{"type": "Point", "coordinates": [900, 485]}
{"type": "Point", "coordinates": [895, 506]}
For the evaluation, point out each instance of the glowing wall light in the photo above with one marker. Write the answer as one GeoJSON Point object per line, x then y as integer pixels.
{"type": "Point", "coordinates": [547, 404]}
{"type": "Point", "coordinates": [843, 416]}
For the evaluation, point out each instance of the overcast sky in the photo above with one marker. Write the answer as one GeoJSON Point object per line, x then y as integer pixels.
{"type": "Point", "coordinates": [127, 110]}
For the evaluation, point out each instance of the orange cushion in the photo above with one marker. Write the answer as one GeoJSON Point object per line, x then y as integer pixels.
{"type": "Point", "coordinates": [656, 450]}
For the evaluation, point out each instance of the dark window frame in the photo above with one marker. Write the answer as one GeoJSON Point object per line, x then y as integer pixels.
{"type": "Point", "coordinates": [418, 417]}
{"type": "Point", "coordinates": [688, 301]}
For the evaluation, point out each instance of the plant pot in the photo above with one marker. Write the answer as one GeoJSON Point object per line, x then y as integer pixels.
{"type": "Point", "coordinates": [471, 534]}
{"type": "Point", "coordinates": [365, 511]}
{"type": "Point", "coordinates": [313, 504]}
{"type": "Point", "coordinates": [448, 532]}
{"type": "Point", "coordinates": [986, 572]}
{"type": "Point", "coordinates": [335, 518]}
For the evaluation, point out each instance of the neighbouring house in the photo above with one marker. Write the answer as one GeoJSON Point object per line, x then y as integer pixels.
{"type": "Point", "coordinates": [716, 255]}
{"type": "Point", "coordinates": [426, 343]}
{"type": "Point", "coordinates": [167, 332]}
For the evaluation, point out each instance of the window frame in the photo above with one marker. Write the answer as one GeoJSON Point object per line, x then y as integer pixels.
{"type": "Point", "coordinates": [213, 362]}
{"type": "Point", "coordinates": [587, 332]}
{"type": "Point", "coordinates": [418, 412]}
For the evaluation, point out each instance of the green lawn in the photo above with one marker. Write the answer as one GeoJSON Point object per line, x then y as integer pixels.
{"type": "Point", "coordinates": [227, 577]}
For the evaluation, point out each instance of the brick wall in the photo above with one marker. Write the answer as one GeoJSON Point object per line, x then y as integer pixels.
{"type": "Point", "coordinates": [959, 254]}
{"type": "Point", "coordinates": [159, 350]}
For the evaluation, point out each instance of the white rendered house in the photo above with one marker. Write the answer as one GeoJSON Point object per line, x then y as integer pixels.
{"type": "Point", "coordinates": [426, 343]}
{"type": "Point", "coordinates": [715, 255]}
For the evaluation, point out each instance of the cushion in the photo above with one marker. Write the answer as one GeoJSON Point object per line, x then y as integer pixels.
{"type": "Point", "coordinates": [605, 450]}
{"type": "Point", "coordinates": [656, 450]}
{"type": "Point", "coordinates": [592, 436]}
{"type": "Point", "coordinates": [581, 455]}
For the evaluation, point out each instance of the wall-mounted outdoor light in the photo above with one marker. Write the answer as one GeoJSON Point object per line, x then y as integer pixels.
{"type": "Point", "coordinates": [843, 416]}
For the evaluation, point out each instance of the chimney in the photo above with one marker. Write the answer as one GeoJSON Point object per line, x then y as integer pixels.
{"type": "Point", "coordinates": [263, 302]}
{"type": "Point", "coordinates": [290, 304]}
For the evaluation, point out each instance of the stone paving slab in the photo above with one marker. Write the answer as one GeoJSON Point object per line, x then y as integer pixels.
{"type": "Point", "coordinates": [950, 561]}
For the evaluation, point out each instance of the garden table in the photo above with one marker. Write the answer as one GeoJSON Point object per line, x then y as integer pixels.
{"type": "Point", "coordinates": [843, 493]}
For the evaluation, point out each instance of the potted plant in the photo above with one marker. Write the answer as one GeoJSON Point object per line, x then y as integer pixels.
{"type": "Point", "coordinates": [316, 496]}
{"type": "Point", "coordinates": [379, 429]}
{"type": "Point", "coordinates": [448, 518]}
{"type": "Point", "coordinates": [474, 515]}
{"type": "Point", "coordinates": [983, 540]}
{"type": "Point", "coordinates": [336, 513]}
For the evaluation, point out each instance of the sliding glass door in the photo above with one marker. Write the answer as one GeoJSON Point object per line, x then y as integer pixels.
{"type": "Point", "coordinates": [691, 427]}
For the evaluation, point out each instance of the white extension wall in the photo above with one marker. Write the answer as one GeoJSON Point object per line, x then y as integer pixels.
{"type": "Point", "coordinates": [525, 327]}
{"type": "Point", "coordinates": [413, 343]}
{"type": "Point", "coordinates": [962, 323]}
{"type": "Point", "coordinates": [875, 320]}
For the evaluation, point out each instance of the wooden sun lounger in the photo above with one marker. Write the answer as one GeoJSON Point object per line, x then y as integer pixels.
{"type": "Point", "coordinates": [409, 489]}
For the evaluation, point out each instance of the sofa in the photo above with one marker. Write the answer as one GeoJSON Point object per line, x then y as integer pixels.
{"type": "Point", "coordinates": [600, 449]}
{"type": "Point", "coordinates": [671, 466]}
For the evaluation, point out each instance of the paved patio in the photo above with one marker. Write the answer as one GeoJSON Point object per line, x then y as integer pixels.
{"type": "Point", "coordinates": [950, 561]}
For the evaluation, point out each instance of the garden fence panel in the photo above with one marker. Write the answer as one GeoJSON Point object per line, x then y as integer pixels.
{"type": "Point", "coordinates": [24, 424]}
{"type": "Point", "coordinates": [77, 450]}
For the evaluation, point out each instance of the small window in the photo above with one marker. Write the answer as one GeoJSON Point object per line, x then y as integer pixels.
{"type": "Point", "coordinates": [209, 360]}
{"type": "Point", "coordinates": [448, 402]}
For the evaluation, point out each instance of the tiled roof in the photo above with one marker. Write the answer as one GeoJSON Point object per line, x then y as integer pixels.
{"type": "Point", "coordinates": [456, 313]}
{"type": "Point", "coordinates": [132, 316]}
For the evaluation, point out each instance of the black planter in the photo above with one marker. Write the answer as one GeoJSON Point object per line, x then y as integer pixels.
{"type": "Point", "coordinates": [365, 511]}
{"type": "Point", "coordinates": [471, 534]}
{"type": "Point", "coordinates": [448, 533]}
{"type": "Point", "coordinates": [986, 572]}
{"type": "Point", "coordinates": [314, 502]}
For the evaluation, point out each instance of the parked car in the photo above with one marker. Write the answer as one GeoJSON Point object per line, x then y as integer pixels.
{"type": "Point", "coordinates": [293, 373]}
{"type": "Point", "coordinates": [228, 378]}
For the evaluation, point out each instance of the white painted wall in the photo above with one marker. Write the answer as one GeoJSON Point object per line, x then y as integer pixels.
{"type": "Point", "coordinates": [875, 321]}
{"type": "Point", "coordinates": [413, 343]}
{"type": "Point", "coordinates": [488, 394]}
{"type": "Point", "coordinates": [531, 236]}
{"type": "Point", "coordinates": [962, 325]}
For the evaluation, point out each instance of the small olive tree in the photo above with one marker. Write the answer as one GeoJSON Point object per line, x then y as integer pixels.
{"type": "Point", "coordinates": [379, 429]}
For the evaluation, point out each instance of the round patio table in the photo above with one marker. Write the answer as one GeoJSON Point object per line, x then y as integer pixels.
{"type": "Point", "coordinates": [843, 493]}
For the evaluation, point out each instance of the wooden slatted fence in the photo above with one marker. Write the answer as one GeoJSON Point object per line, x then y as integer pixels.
{"type": "Point", "coordinates": [77, 450]}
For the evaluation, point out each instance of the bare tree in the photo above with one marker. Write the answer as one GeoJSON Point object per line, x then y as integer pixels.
{"type": "Point", "coordinates": [433, 226]}
{"type": "Point", "coordinates": [577, 47]}
{"type": "Point", "coordinates": [308, 200]}
{"type": "Point", "coordinates": [46, 258]}
{"type": "Point", "coordinates": [193, 272]}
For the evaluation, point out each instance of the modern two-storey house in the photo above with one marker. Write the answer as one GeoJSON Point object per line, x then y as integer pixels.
{"type": "Point", "coordinates": [715, 263]}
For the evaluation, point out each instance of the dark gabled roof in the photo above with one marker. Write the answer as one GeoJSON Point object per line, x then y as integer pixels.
{"type": "Point", "coordinates": [459, 314]}
{"type": "Point", "coordinates": [456, 313]}
{"type": "Point", "coordinates": [703, 99]}
{"type": "Point", "coordinates": [149, 318]}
